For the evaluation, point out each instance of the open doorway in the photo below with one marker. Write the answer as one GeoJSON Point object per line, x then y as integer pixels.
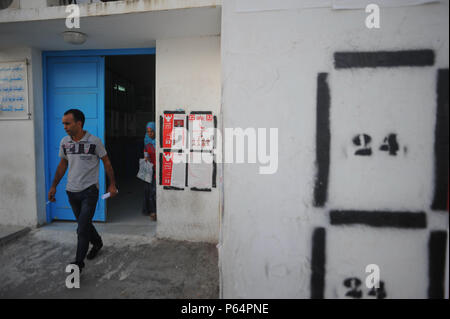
{"type": "Point", "coordinates": [129, 106]}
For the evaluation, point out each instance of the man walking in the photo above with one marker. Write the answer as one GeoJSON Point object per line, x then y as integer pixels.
{"type": "Point", "coordinates": [80, 151]}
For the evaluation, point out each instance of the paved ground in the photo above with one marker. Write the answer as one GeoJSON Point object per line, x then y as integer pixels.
{"type": "Point", "coordinates": [129, 266]}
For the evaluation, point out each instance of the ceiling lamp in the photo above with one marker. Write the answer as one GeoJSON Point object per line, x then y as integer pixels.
{"type": "Point", "coordinates": [74, 37]}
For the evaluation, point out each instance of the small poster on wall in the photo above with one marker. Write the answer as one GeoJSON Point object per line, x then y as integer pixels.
{"type": "Point", "coordinates": [201, 131]}
{"type": "Point", "coordinates": [13, 91]}
{"type": "Point", "coordinates": [200, 171]}
{"type": "Point", "coordinates": [173, 135]}
{"type": "Point", "coordinates": [173, 169]}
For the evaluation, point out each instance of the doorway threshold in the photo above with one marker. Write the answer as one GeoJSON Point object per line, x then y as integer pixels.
{"type": "Point", "coordinates": [147, 230]}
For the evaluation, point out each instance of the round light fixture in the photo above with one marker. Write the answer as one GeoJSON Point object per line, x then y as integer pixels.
{"type": "Point", "coordinates": [74, 37]}
{"type": "Point", "coordinates": [5, 4]}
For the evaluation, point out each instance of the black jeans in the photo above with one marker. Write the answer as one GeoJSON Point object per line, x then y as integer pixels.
{"type": "Point", "coordinates": [83, 206]}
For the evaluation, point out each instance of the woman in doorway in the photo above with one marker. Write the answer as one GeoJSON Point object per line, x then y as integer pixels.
{"type": "Point", "coordinates": [149, 207]}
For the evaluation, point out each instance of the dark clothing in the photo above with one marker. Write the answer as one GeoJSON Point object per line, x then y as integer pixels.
{"type": "Point", "coordinates": [149, 205]}
{"type": "Point", "coordinates": [83, 205]}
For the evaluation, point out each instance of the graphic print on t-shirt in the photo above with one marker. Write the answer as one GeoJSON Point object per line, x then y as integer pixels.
{"type": "Point", "coordinates": [83, 148]}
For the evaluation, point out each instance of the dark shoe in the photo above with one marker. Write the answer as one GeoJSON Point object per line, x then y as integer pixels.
{"type": "Point", "coordinates": [153, 217]}
{"type": "Point", "coordinates": [93, 253]}
{"type": "Point", "coordinates": [80, 266]}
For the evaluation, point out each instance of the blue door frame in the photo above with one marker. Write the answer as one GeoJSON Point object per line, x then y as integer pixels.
{"type": "Point", "coordinates": [77, 53]}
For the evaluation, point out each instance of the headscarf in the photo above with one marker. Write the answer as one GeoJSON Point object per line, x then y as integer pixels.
{"type": "Point", "coordinates": [147, 139]}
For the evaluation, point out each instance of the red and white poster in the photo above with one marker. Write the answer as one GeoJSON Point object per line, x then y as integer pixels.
{"type": "Point", "coordinates": [174, 169]}
{"type": "Point", "coordinates": [202, 131]}
{"type": "Point", "coordinates": [167, 167]}
{"type": "Point", "coordinates": [174, 136]}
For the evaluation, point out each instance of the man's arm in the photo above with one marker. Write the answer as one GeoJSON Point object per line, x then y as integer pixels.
{"type": "Point", "coordinates": [60, 171]}
{"type": "Point", "coordinates": [110, 173]}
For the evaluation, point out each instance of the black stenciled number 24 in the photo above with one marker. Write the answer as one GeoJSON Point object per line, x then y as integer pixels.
{"type": "Point", "coordinates": [355, 292]}
{"type": "Point", "coordinates": [363, 142]}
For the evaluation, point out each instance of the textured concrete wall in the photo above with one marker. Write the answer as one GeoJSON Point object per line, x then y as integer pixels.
{"type": "Point", "coordinates": [341, 200]}
{"type": "Point", "coordinates": [188, 78]}
{"type": "Point", "coordinates": [18, 157]}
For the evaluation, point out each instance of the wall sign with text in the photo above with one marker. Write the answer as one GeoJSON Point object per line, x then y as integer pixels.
{"type": "Point", "coordinates": [14, 91]}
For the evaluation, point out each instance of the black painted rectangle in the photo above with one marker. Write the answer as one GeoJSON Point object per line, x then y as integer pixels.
{"type": "Point", "coordinates": [161, 125]}
{"type": "Point", "coordinates": [413, 58]}
{"type": "Point", "coordinates": [440, 197]}
{"type": "Point", "coordinates": [173, 188]}
{"type": "Point", "coordinates": [318, 259]}
{"type": "Point", "coordinates": [214, 175]}
{"type": "Point", "coordinates": [215, 132]}
{"type": "Point", "coordinates": [186, 177]}
{"type": "Point", "coordinates": [201, 112]}
{"type": "Point", "coordinates": [437, 250]}
{"type": "Point", "coordinates": [174, 112]}
{"type": "Point", "coordinates": [323, 140]}
{"type": "Point", "coordinates": [169, 150]}
{"type": "Point", "coordinates": [160, 167]}
{"type": "Point", "coordinates": [379, 218]}
{"type": "Point", "coordinates": [195, 189]}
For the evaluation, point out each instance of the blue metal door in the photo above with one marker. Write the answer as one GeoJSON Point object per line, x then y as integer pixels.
{"type": "Point", "coordinates": [73, 82]}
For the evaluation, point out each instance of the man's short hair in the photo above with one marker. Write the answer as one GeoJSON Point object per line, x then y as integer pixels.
{"type": "Point", "coordinates": [78, 116]}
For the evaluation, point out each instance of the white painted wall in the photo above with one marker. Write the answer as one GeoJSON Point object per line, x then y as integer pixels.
{"type": "Point", "coordinates": [33, 10]}
{"type": "Point", "coordinates": [18, 156]}
{"type": "Point", "coordinates": [188, 77]}
{"type": "Point", "coordinates": [270, 62]}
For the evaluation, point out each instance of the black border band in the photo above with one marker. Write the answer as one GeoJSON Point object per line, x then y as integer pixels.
{"type": "Point", "coordinates": [173, 188]}
{"type": "Point", "coordinates": [214, 174]}
{"type": "Point", "coordinates": [201, 112]}
{"type": "Point", "coordinates": [161, 125]}
{"type": "Point", "coordinates": [323, 140]}
{"type": "Point", "coordinates": [440, 198]}
{"type": "Point", "coordinates": [195, 189]}
{"type": "Point", "coordinates": [414, 58]}
{"type": "Point", "coordinates": [409, 220]}
{"type": "Point", "coordinates": [437, 250]}
{"type": "Point", "coordinates": [160, 167]}
{"type": "Point", "coordinates": [318, 260]}
{"type": "Point", "coordinates": [174, 112]}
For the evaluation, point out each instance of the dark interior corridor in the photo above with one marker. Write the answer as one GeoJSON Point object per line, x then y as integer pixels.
{"type": "Point", "coordinates": [129, 105]}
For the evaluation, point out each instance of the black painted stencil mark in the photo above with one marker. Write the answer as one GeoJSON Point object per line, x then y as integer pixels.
{"type": "Point", "coordinates": [323, 138]}
{"type": "Point", "coordinates": [441, 144]}
{"type": "Point", "coordinates": [437, 250]}
{"type": "Point", "coordinates": [390, 59]}
{"type": "Point", "coordinates": [411, 220]}
{"type": "Point", "coordinates": [318, 264]}
{"type": "Point", "coordinates": [363, 140]}
{"type": "Point", "coordinates": [378, 293]}
{"type": "Point", "coordinates": [390, 145]}
{"type": "Point", "coordinates": [354, 285]}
